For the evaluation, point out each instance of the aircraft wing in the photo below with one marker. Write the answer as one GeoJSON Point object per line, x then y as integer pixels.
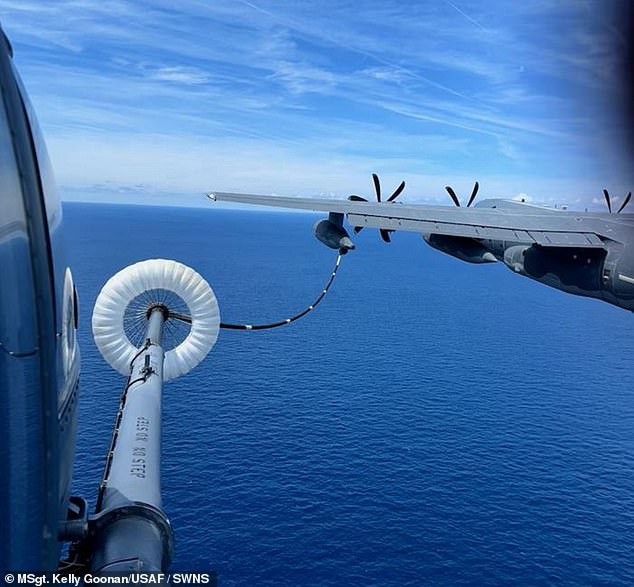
{"type": "Point", "coordinates": [524, 224]}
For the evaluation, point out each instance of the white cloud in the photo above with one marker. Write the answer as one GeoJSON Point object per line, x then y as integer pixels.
{"type": "Point", "coordinates": [180, 74]}
{"type": "Point", "coordinates": [300, 78]}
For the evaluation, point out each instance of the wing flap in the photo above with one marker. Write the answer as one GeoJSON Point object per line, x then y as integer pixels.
{"type": "Point", "coordinates": [544, 238]}
{"type": "Point", "coordinates": [566, 239]}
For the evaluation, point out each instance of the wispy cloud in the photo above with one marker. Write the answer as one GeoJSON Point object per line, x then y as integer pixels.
{"type": "Point", "coordinates": [296, 97]}
{"type": "Point", "coordinates": [179, 74]}
{"type": "Point", "coordinates": [463, 13]}
{"type": "Point", "coordinates": [300, 78]}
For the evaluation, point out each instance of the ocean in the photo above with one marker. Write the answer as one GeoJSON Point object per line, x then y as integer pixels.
{"type": "Point", "coordinates": [430, 423]}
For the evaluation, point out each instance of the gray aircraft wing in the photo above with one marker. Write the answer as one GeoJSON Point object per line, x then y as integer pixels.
{"type": "Point", "coordinates": [512, 223]}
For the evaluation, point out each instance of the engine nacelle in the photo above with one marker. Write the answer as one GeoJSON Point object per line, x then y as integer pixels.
{"type": "Point", "coordinates": [618, 276]}
{"type": "Point", "coordinates": [572, 269]}
{"type": "Point", "coordinates": [463, 248]}
{"type": "Point", "coordinates": [571, 266]}
{"type": "Point", "coordinates": [331, 232]}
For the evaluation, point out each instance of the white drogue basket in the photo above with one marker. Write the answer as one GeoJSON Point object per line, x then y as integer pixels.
{"type": "Point", "coordinates": [123, 305]}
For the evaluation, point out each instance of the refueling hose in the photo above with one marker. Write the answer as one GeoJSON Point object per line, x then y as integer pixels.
{"type": "Point", "coordinates": [293, 318]}
{"type": "Point", "coordinates": [273, 324]}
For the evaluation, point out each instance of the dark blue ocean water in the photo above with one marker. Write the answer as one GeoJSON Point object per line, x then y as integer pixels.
{"type": "Point", "coordinates": [431, 423]}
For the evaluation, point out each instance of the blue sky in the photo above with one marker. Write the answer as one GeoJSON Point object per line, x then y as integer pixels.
{"type": "Point", "coordinates": [163, 101]}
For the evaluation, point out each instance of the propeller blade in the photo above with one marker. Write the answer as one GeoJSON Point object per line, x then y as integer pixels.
{"type": "Point", "coordinates": [385, 235]}
{"type": "Point", "coordinates": [625, 202]}
{"type": "Point", "coordinates": [358, 229]}
{"type": "Point", "coordinates": [476, 187]}
{"type": "Point", "coordinates": [607, 199]}
{"type": "Point", "coordinates": [377, 186]}
{"type": "Point", "coordinates": [455, 199]}
{"type": "Point", "coordinates": [354, 198]}
{"type": "Point", "coordinates": [397, 192]}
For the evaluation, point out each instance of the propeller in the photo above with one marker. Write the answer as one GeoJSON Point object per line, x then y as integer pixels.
{"type": "Point", "coordinates": [385, 233]}
{"type": "Point", "coordinates": [455, 199]}
{"type": "Point", "coordinates": [608, 201]}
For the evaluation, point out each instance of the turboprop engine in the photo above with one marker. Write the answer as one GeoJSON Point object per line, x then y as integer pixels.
{"type": "Point", "coordinates": [463, 248]}
{"type": "Point", "coordinates": [331, 232]}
